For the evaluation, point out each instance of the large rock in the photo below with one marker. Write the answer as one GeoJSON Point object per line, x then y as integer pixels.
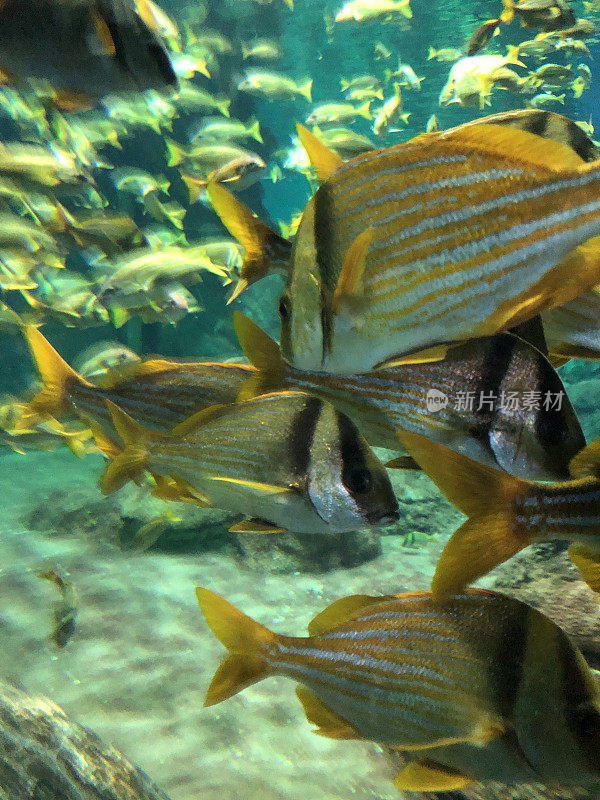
{"type": "Point", "coordinates": [45, 756]}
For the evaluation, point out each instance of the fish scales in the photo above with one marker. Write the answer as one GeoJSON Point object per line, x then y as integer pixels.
{"type": "Point", "coordinates": [460, 241]}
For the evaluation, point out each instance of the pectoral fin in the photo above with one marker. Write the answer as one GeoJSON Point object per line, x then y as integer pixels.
{"type": "Point", "coordinates": [403, 462]}
{"type": "Point", "coordinates": [350, 281]}
{"type": "Point", "coordinates": [255, 526]}
{"type": "Point", "coordinates": [261, 488]}
{"type": "Point", "coordinates": [429, 776]}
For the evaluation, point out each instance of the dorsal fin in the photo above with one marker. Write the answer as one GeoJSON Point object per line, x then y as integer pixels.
{"type": "Point", "coordinates": [323, 160]}
{"type": "Point", "coordinates": [514, 144]}
{"type": "Point", "coordinates": [341, 611]}
{"type": "Point", "coordinates": [198, 419]}
{"type": "Point", "coordinates": [258, 347]}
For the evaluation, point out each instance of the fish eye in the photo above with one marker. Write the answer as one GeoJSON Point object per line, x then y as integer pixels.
{"type": "Point", "coordinates": [283, 307]}
{"type": "Point", "coordinates": [357, 479]}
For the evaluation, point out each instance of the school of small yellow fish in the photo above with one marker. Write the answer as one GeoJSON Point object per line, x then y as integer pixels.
{"type": "Point", "coordinates": [427, 267]}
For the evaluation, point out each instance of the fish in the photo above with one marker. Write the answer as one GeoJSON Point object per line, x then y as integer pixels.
{"type": "Point", "coordinates": [225, 129]}
{"type": "Point", "coordinates": [45, 435]}
{"type": "Point", "coordinates": [361, 82]}
{"type": "Point", "coordinates": [480, 386]}
{"type": "Point", "coordinates": [432, 124]}
{"type": "Point", "coordinates": [369, 273]}
{"type": "Point", "coordinates": [360, 10]}
{"type": "Point", "coordinates": [239, 173]}
{"type": "Point", "coordinates": [549, 15]}
{"type": "Point", "coordinates": [506, 514]}
{"type": "Point", "coordinates": [548, 125]}
{"type": "Point", "coordinates": [571, 330]}
{"type": "Point", "coordinates": [448, 54]}
{"type": "Point", "coordinates": [481, 36]}
{"type": "Point", "coordinates": [274, 85]}
{"type": "Point", "coordinates": [64, 614]}
{"type": "Point", "coordinates": [157, 393]}
{"type": "Point", "coordinates": [381, 52]}
{"type": "Point", "coordinates": [262, 50]}
{"type": "Point", "coordinates": [192, 98]}
{"type": "Point", "coordinates": [545, 99]}
{"type": "Point", "coordinates": [406, 76]}
{"type": "Point", "coordinates": [344, 141]}
{"type": "Point", "coordinates": [472, 78]}
{"type": "Point", "coordinates": [83, 49]}
{"type": "Point", "coordinates": [100, 358]}
{"type": "Point", "coordinates": [137, 181]}
{"type": "Point", "coordinates": [389, 113]}
{"type": "Point", "coordinates": [287, 461]}
{"type": "Point", "coordinates": [483, 688]}
{"type": "Point", "coordinates": [140, 269]}
{"type": "Point", "coordinates": [337, 112]}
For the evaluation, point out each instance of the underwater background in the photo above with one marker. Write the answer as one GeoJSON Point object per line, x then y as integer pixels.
{"type": "Point", "coordinates": [139, 659]}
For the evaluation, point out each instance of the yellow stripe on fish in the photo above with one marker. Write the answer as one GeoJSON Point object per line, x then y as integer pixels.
{"type": "Point", "coordinates": [474, 230]}
{"type": "Point", "coordinates": [457, 688]}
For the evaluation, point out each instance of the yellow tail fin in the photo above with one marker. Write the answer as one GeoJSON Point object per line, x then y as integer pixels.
{"type": "Point", "coordinates": [261, 244]}
{"type": "Point", "coordinates": [246, 641]}
{"type": "Point", "coordinates": [130, 462]}
{"type": "Point", "coordinates": [55, 373]}
{"type": "Point", "coordinates": [490, 536]}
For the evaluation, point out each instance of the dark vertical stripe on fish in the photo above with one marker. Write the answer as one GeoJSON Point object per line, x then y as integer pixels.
{"type": "Point", "coordinates": [582, 718]}
{"type": "Point", "coordinates": [508, 659]}
{"type": "Point", "coordinates": [492, 372]}
{"type": "Point", "coordinates": [301, 435]}
{"type": "Point", "coordinates": [325, 251]}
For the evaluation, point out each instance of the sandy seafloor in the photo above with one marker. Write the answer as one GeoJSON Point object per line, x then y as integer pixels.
{"type": "Point", "coordinates": [141, 658]}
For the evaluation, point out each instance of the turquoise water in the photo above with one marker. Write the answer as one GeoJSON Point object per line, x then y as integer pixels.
{"type": "Point", "coordinates": [139, 657]}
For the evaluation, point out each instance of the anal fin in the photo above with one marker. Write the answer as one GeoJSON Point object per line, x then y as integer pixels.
{"type": "Point", "coordinates": [587, 562]}
{"type": "Point", "coordinates": [429, 776]}
{"type": "Point", "coordinates": [328, 723]}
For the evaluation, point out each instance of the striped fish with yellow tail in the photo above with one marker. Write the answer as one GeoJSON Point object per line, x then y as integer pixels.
{"type": "Point", "coordinates": [470, 382]}
{"type": "Point", "coordinates": [449, 236]}
{"type": "Point", "coordinates": [506, 513]}
{"type": "Point", "coordinates": [287, 461]}
{"type": "Point", "coordinates": [483, 688]}
{"type": "Point", "coordinates": [268, 253]}
{"type": "Point", "coordinates": [156, 393]}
